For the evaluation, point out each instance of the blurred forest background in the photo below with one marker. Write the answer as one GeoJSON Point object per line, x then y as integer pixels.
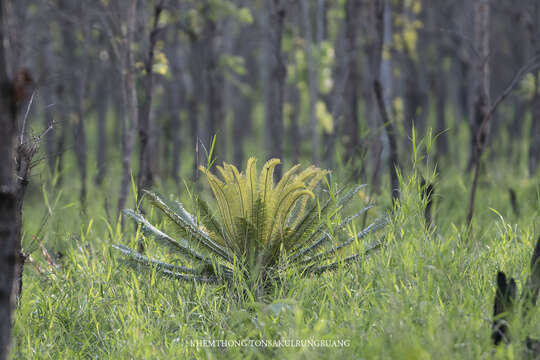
{"type": "Point", "coordinates": [140, 88]}
{"type": "Point", "coordinates": [104, 98]}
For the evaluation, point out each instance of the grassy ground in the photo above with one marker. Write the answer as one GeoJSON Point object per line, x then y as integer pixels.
{"type": "Point", "coordinates": [425, 294]}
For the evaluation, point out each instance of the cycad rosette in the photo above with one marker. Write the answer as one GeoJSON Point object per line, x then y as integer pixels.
{"type": "Point", "coordinates": [258, 228]}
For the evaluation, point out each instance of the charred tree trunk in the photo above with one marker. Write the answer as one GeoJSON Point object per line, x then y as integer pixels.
{"type": "Point", "coordinates": [9, 215]}
{"type": "Point", "coordinates": [15, 163]}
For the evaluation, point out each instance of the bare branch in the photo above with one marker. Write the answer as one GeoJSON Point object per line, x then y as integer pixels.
{"type": "Point", "coordinates": [23, 130]}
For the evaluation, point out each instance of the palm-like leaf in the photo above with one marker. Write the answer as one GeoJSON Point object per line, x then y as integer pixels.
{"type": "Point", "coordinates": [258, 225]}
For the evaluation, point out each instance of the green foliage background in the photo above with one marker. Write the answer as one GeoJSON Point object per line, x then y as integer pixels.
{"type": "Point", "coordinates": [427, 294]}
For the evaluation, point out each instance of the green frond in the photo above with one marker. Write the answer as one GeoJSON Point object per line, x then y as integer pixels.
{"type": "Point", "coordinates": [159, 265]}
{"type": "Point", "coordinates": [319, 269]}
{"type": "Point", "coordinates": [287, 177]}
{"type": "Point", "coordinates": [258, 227]}
{"type": "Point", "coordinates": [325, 237]}
{"type": "Point", "coordinates": [186, 222]}
{"type": "Point", "coordinates": [345, 199]}
{"type": "Point", "coordinates": [211, 223]}
{"type": "Point", "coordinates": [266, 179]}
{"type": "Point", "coordinates": [180, 246]}
{"type": "Point", "coordinates": [323, 256]}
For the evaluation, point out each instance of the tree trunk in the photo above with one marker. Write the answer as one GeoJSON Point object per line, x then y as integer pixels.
{"type": "Point", "coordinates": [379, 13]}
{"type": "Point", "coordinates": [196, 93]}
{"type": "Point", "coordinates": [101, 108]}
{"type": "Point", "coordinates": [77, 82]}
{"type": "Point", "coordinates": [130, 104]}
{"type": "Point", "coordinates": [351, 140]}
{"type": "Point", "coordinates": [79, 135]}
{"type": "Point", "coordinates": [48, 95]}
{"type": "Point", "coordinates": [146, 176]}
{"type": "Point", "coordinates": [9, 215]}
{"type": "Point", "coordinates": [313, 80]}
{"type": "Point", "coordinates": [481, 102]}
{"type": "Point", "coordinates": [62, 135]}
{"type": "Point", "coordinates": [440, 105]}
{"type": "Point", "coordinates": [175, 98]}
{"type": "Point", "coordinates": [213, 80]}
{"type": "Point", "coordinates": [479, 124]}
{"type": "Point", "coordinates": [295, 138]}
{"type": "Point", "coordinates": [278, 72]}
{"type": "Point", "coordinates": [241, 117]}
{"type": "Point", "coordinates": [534, 149]}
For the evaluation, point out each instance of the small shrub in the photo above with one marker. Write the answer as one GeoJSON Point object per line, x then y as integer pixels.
{"type": "Point", "coordinates": [260, 229]}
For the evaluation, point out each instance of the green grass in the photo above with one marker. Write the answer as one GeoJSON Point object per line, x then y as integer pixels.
{"type": "Point", "coordinates": [424, 295]}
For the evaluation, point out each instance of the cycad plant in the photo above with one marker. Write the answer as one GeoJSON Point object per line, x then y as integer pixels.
{"type": "Point", "coordinates": [258, 228]}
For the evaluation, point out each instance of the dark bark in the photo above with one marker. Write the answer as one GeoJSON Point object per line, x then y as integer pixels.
{"type": "Point", "coordinates": [426, 191]}
{"type": "Point", "coordinates": [9, 216]}
{"type": "Point", "coordinates": [505, 297]}
{"type": "Point", "coordinates": [481, 102]}
{"type": "Point", "coordinates": [479, 123]}
{"type": "Point", "coordinates": [463, 90]}
{"type": "Point", "coordinates": [146, 175]}
{"type": "Point", "coordinates": [101, 108]}
{"type": "Point", "coordinates": [61, 138]}
{"type": "Point", "coordinates": [76, 83]}
{"type": "Point", "coordinates": [10, 231]}
{"type": "Point", "coordinates": [515, 129]}
{"type": "Point", "coordinates": [193, 108]}
{"type": "Point", "coordinates": [196, 93]}
{"type": "Point", "coordinates": [176, 128]}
